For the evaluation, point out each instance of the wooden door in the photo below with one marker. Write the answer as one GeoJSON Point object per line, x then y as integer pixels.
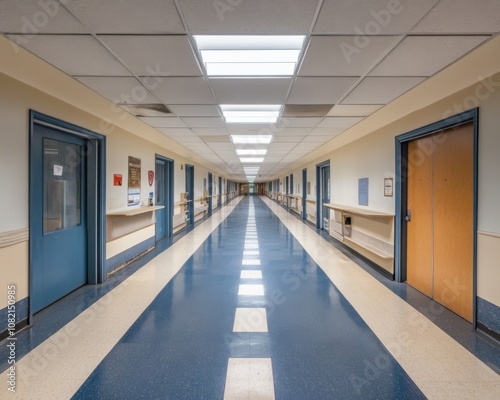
{"type": "Point", "coordinates": [440, 230]}
{"type": "Point", "coordinates": [420, 226]}
{"type": "Point", "coordinates": [453, 221]}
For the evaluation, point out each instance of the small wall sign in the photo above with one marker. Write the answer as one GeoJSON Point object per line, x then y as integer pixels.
{"type": "Point", "coordinates": [117, 180]}
{"type": "Point", "coordinates": [388, 187]}
{"type": "Point", "coordinates": [151, 177]}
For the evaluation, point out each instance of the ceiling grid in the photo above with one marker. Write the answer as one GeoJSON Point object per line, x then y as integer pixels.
{"type": "Point", "coordinates": [356, 58]}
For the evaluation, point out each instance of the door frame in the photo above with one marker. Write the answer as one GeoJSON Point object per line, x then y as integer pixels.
{"type": "Point", "coordinates": [168, 189]}
{"type": "Point", "coordinates": [96, 198]}
{"type": "Point", "coordinates": [401, 189]}
{"type": "Point", "coordinates": [319, 197]}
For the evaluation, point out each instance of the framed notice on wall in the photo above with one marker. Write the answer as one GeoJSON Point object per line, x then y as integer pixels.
{"type": "Point", "coordinates": [134, 181]}
{"type": "Point", "coordinates": [388, 187]}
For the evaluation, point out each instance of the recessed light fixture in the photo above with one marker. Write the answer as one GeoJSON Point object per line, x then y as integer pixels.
{"type": "Point", "coordinates": [251, 139]}
{"type": "Point", "coordinates": [250, 113]}
{"type": "Point", "coordinates": [251, 159]}
{"type": "Point", "coordinates": [249, 55]}
{"type": "Point", "coordinates": [251, 152]}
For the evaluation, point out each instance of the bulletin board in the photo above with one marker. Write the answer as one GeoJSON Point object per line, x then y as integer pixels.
{"type": "Point", "coordinates": [134, 181]}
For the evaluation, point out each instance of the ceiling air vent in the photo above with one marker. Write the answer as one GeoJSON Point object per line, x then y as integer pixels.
{"type": "Point", "coordinates": [147, 110]}
{"type": "Point", "coordinates": [306, 110]}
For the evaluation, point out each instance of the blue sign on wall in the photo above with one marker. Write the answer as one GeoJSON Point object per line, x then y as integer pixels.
{"type": "Point", "coordinates": [363, 191]}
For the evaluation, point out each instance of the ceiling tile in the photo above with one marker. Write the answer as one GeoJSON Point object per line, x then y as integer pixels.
{"type": "Point", "coordinates": [119, 89]}
{"type": "Point", "coordinates": [164, 122]}
{"type": "Point", "coordinates": [425, 55]}
{"type": "Point", "coordinates": [185, 90]}
{"type": "Point", "coordinates": [187, 139]}
{"type": "Point", "coordinates": [204, 122]}
{"type": "Point", "coordinates": [249, 16]}
{"type": "Point", "coordinates": [462, 16]}
{"type": "Point", "coordinates": [374, 90]}
{"type": "Point", "coordinates": [307, 122]}
{"type": "Point", "coordinates": [28, 17]}
{"type": "Point", "coordinates": [289, 139]}
{"type": "Point", "coordinates": [307, 90]}
{"type": "Point", "coordinates": [177, 132]}
{"type": "Point", "coordinates": [210, 131]}
{"type": "Point", "coordinates": [125, 16]}
{"type": "Point", "coordinates": [152, 55]}
{"type": "Point", "coordinates": [250, 91]}
{"type": "Point", "coordinates": [194, 110]}
{"type": "Point", "coordinates": [361, 110]}
{"type": "Point", "coordinates": [74, 54]}
{"type": "Point", "coordinates": [334, 55]}
{"type": "Point", "coordinates": [226, 148]}
{"type": "Point", "coordinates": [326, 132]}
{"type": "Point", "coordinates": [370, 17]}
{"type": "Point", "coordinates": [318, 139]}
{"type": "Point", "coordinates": [293, 131]}
{"type": "Point", "coordinates": [339, 122]}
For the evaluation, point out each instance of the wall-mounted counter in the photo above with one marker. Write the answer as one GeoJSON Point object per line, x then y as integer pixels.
{"type": "Point", "coordinates": [129, 233]}
{"type": "Point", "coordinates": [369, 232]}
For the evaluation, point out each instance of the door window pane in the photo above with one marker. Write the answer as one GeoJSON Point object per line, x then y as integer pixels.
{"type": "Point", "coordinates": [159, 181]}
{"type": "Point", "coordinates": [62, 173]}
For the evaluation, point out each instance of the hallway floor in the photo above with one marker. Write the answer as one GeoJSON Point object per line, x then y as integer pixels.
{"type": "Point", "coordinates": [252, 304]}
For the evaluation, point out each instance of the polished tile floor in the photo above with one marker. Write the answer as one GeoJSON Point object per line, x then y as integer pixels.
{"type": "Point", "coordinates": [252, 304]}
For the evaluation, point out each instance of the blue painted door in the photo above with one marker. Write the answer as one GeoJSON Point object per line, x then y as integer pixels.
{"type": "Point", "coordinates": [160, 200]}
{"type": "Point", "coordinates": [190, 193]}
{"type": "Point", "coordinates": [210, 192]}
{"type": "Point", "coordinates": [325, 194]}
{"type": "Point", "coordinates": [219, 197]}
{"type": "Point", "coordinates": [304, 193]}
{"type": "Point", "coordinates": [59, 221]}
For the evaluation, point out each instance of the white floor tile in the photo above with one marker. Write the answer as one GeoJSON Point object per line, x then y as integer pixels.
{"type": "Point", "coordinates": [251, 274]}
{"type": "Point", "coordinates": [250, 320]}
{"type": "Point", "coordinates": [251, 290]}
{"type": "Point", "coordinates": [249, 379]}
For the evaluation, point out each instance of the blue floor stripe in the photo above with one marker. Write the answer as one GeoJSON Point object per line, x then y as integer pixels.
{"type": "Point", "coordinates": [319, 346]}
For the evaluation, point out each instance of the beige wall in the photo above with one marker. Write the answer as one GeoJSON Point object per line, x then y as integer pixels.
{"type": "Point", "coordinates": [16, 99]}
{"type": "Point", "coordinates": [373, 156]}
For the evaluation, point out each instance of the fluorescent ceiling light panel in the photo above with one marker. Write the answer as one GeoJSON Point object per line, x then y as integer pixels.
{"type": "Point", "coordinates": [251, 159]}
{"type": "Point", "coordinates": [251, 139]}
{"type": "Point", "coordinates": [250, 69]}
{"type": "Point", "coordinates": [249, 42]}
{"type": "Point", "coordinates": [250, 120]}
{"type": "Point", "coordinates": [249, 55]}
{"type": "Point", "coordinates": [252, 107]}
{"type": "Point", "coordinates": [253, 114]}
{"type": "Point", "coordinates": [251, 152]}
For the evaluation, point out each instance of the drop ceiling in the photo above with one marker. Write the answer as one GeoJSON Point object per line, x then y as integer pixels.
{"type": "Point", "coordinates": [357, 57]}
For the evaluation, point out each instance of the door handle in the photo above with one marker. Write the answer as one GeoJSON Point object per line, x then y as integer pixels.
{"type": "Point", "coordinates": [408, 216]}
